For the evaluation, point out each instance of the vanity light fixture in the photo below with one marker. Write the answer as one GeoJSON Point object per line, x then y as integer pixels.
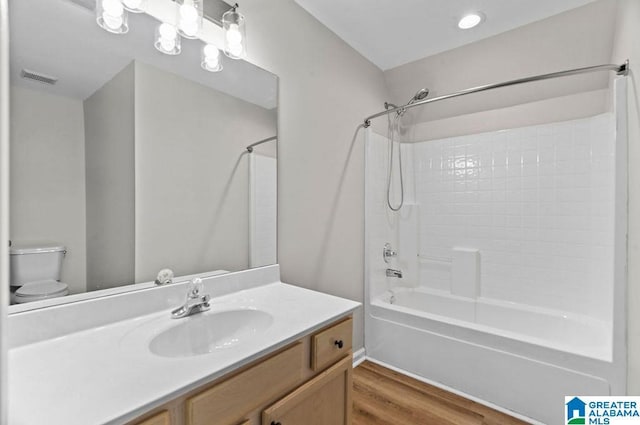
{"type": "Point", "coordinates": [167, 39]}
{"type": "Point", "coordinates": [471, 20]}
{"type": "Point", "coordinates": [211, 60]}
{"type": "Point", "coordinates": [189, 17]}
{"type": "Point", "coordinates": [111, 16]}
{"type": "Point", "coordinates": [135, 6]}
{"type": "Point", "coordinates": [235, 39]}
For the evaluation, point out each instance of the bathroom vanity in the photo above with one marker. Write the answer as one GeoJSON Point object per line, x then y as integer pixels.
{"type": "Point", "coordinates": [307, 382]}
{"type": "Point", "coordinates": [265, 353]}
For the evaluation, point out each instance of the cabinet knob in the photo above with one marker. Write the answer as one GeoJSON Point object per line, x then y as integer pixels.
{"type": "Point", "coordinates": [275, 423]}
{"type": "Point", "coordinates": [339, 343]}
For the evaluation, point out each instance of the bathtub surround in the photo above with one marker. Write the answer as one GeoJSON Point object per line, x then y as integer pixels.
{"type": "Point", "coordinates": [263, 199]}
{"type": "Point", "coordinates": [48, 187]}
{"type": "Point", "coordinates": [516, 227]}
{"type": "Point", "coordinates": [536, 202]}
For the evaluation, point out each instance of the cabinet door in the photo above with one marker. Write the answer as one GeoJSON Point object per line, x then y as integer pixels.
{"type": "Point", "coordinates": [325, 400]}
{"type": "Point", "coordinates": [227, 402]}
{"type": "Point", "coordinates": [162, 418]}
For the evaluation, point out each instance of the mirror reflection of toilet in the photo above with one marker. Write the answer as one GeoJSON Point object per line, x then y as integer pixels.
{"type": "Point", "coordinates": [35, 273]}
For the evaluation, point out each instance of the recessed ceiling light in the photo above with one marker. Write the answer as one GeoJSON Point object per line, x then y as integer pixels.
{"type": "Point", "coordinates": [470, 21]}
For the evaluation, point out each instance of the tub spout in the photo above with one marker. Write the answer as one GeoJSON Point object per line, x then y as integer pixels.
{"type": "Point", "coordinates": [394, 273]}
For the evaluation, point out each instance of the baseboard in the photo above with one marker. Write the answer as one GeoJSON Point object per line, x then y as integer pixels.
{"type": "Point", "coordinates": [451, 390]}
{"type": "Point", "coordinates": [358, 357]}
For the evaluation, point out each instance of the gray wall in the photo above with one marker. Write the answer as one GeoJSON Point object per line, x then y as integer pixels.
{"type": "Point", "coordinates": [326, 89]}
{"type": "Point", "coordinates": [577, 38]}
{"type": "Point", "coordinates": [627, 47]}
{"type": "Point", "coordinates": [47, 199]}
{"type": "Point", "coordinates": [190, 155]}
{"type": "Point", "coordinates": [109, 156]}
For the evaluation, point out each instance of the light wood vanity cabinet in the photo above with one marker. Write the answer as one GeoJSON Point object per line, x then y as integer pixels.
{"type": "Point", "coordinates": [306, 383]}
{"type": "Point", "coordinates": [242, 393]}
{"type": "Point", "coordinates": [324, 400]}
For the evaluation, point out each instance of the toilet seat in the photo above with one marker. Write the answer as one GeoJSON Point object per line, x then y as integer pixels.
{"type": "Point", "coordinates": [40, 290]}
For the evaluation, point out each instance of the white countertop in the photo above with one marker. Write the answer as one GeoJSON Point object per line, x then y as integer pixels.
{"type": "Point", "coordinates": [107, 375]}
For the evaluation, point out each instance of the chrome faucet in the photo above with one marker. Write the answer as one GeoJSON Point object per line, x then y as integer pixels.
{"type": "Point", "coordinates": [195, 303]}
{"type": "Point", "coordinates": [394, 273]}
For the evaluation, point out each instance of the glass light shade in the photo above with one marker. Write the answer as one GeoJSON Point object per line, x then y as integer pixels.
{"type": "Point", "coordinates": [167, 39]}
{"type": "Point", "coordinates": [189, 17]}
{"type": "Point", "coordinates": [112, 16]}
{"type": "Point", "coordinates": [235, 39]}
{"type": "Point", "coordinates": [135, 6]}
{"type": "Point", "coordinates": [211, 58]}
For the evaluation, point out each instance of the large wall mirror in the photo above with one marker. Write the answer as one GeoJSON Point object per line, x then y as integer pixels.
{"type": "Point", "coordinates": [130, 160]}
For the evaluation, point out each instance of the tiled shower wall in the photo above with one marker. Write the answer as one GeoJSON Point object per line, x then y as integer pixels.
{"type": "Point", "coordinates": [537, 202]}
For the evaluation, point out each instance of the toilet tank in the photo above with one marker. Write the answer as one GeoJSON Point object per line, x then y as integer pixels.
{"type": "Point", "coordinates": [32, 263]}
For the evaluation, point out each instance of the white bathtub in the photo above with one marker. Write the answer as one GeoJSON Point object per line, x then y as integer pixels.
{"type": "Point", "coordinates": [518, 357]}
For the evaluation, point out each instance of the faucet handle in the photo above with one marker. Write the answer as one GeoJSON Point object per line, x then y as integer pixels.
{"type": "Point", "coordinates": [165, 276]}
{"type": "Point", "coordinates": [388, 253]}
{"type": "Point", "coordinates": [195, 288]}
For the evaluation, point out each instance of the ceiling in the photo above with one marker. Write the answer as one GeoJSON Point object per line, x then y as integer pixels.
{"type": "Point", "coordinates": [391, 33]}
{"type": "Point", "coordinates": [60, 38]}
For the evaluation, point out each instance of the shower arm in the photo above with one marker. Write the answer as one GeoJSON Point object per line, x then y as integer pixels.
{"type": "Point", "coordinates": [619, 69]}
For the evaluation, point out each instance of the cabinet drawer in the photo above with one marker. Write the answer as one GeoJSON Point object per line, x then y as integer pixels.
{"type": "Point", "coordinates": [161, 418]}
{"type": "Point", "coordinates": [227, 402]}
{"type": "Point", "coordinates": [331, 344]}
{"type": "Point", "coordinates": [325, 400]}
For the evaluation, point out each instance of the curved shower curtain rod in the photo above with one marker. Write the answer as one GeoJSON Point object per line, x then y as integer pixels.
{"type": "Point", "coordinates": [619, 69]}
{"type": "Point", "coordinates": [268, 139]}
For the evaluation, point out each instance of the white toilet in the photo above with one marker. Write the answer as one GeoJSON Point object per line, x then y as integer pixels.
{"type": "Point", "coordinates": [35, 273]}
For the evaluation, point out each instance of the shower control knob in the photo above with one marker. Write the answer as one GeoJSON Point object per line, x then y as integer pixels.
{"type": "Point", "coordinates": [388, 253]}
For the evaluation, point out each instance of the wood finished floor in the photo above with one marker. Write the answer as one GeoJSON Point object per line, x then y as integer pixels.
{"type": "Point", "coordinates": [384, 397]}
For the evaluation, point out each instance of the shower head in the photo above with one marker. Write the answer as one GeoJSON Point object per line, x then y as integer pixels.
{"type": "Point", "coordinates": [420, 95]}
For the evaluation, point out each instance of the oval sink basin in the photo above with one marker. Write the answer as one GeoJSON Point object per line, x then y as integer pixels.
{"type": "Point", "coordinates": [205, 333]}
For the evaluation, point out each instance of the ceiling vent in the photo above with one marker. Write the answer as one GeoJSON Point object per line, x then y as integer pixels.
{"type": "Point", "coordinates": [38, 76]}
